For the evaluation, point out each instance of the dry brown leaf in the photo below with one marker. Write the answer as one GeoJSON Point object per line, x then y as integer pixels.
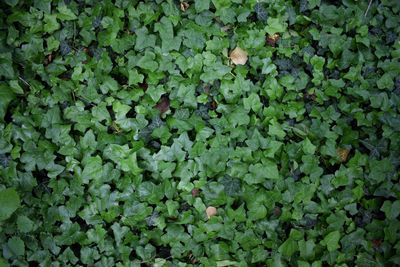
{"type": "Point", "coordinates": [163, 104]}
{"type": "Point", "coordinates": [238, 56]}
{"type": "Point", "coordinates": [211, 211]}
{"type": "Point", "coordinates": [184, 6]}
{"type": "Point", "coordinates": [343, 154]}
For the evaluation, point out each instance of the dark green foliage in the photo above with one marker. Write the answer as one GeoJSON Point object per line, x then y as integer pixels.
{"type": "Point", "coordinates": [122, 121]}
{"type": "Point", "coordinates": [261, 12]}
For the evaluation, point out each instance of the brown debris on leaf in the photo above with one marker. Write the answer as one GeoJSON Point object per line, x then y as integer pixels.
{"type": "Point", "coordinates": [48, 59]}
{"type": "Point", "coordinates": [226, 28]}
{"type": "Point", "coordinates": [184, 6]}
{"type": "Point", "coordinates": [272, 39]}
{"type": "Point", "coordinates": [87, 52]}
{"type": "Point", "coordinates": [192, 259]}
{"type": "Point", "coordinates": [277, 211]}
{"type": "Point", "coordinates": [163, 104]}
{"type": "Point", "coordinates": [195, 192]}
{"type": "Point", "coordinates": [211, 211]}
{"type": "Point", "coordinates": [376, 243]}
{"type": "Point", "coordinates": [238, 56]}
{"type": "Point", "coordinates": [206, 89]}
{"type": "Point", "coordinates": [310, 96]}
{"type": "Point", "coordinates": [143, 85]}
{"type": "Point", "coordinates": [343, 154]}
{"type": "Point", "coordinates": [213, 105]}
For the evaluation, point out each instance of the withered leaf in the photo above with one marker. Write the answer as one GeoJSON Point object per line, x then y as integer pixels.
{"type": "Point", "coordinates": [238, 56]}
{"type": "Point", "coordinates": [163, 104]}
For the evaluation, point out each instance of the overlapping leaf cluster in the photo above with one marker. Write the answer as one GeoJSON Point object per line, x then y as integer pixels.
{"type": "Point", "coordinates": [122, 121]}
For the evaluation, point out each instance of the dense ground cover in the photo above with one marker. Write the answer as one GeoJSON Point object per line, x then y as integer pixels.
{"type": "Point", "coordinates": [215, 133]}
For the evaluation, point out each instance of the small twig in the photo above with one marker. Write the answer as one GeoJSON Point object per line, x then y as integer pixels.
{"type": "Point", "coordinates": [369, 6]}
{"type": "Point", "coordinates": [86, 100]}
{"type": "Point", "coordinates": [25, 82]}
{"type": "Point", "coordinates": [73, 42]}
{"type": "Point", "coordinates": [169, 257]}
{"type": "Point", "coordinates": [73, 96]}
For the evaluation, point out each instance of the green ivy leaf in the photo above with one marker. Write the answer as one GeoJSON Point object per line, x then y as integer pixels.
{"type": "Point", "coordinates": [135, 77]}
{"type": "Point", "coordinates": [93, 169]}
{"type": "Point", "coordinates": [148, 62]}
{"type": "Point", "coordinates": [25, 225]}
{"type": "Point", "coordinates": [6, 66]}
{"type": "Point", "coordinates": [275, 25]}
{"type": "Point", "coordinates": [391, 209]}
{"type": "Point", "coordinates": [169, 42]}
{"type": "Point", "coordinates": [252, 102]}
{"type": "Point", "coordinates": [331, 241]}
{"type": "Point", "coordinates": [288, 248]}
{"type": "Point", "coordinates": [260, 172]}
{"type": "Point", "coordinates": [308, 147]}
{"type": "Point", "coordinates": [10, 202]}
{"type": "Point", "coordinates": [65, 13]}
{"type": "Point", "coordinates": [16, 246]}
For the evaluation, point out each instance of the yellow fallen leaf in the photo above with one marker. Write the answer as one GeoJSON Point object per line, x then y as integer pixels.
{"type": "Point", "coordinates": [211, 211]}
{"type": "Point", "coordinates": [238, 56]}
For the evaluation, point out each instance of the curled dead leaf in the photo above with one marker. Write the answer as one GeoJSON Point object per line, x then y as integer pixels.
{"type": "Point", "coordinates": [184, 6]}
{"type": "Point", "coordinates": [238, 56]}
{"type": "Point", "coordinates": [211, 211]}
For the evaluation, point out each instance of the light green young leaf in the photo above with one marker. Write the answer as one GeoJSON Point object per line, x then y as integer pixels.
{"type": "Point", "coordinates": [135, 77]}
{"type": "Point", "coordinates": [275, 25]}
{"type": "Point", "coordinates": [308, 147]}
{"type": "Point", "coordinates": [331, 241]}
